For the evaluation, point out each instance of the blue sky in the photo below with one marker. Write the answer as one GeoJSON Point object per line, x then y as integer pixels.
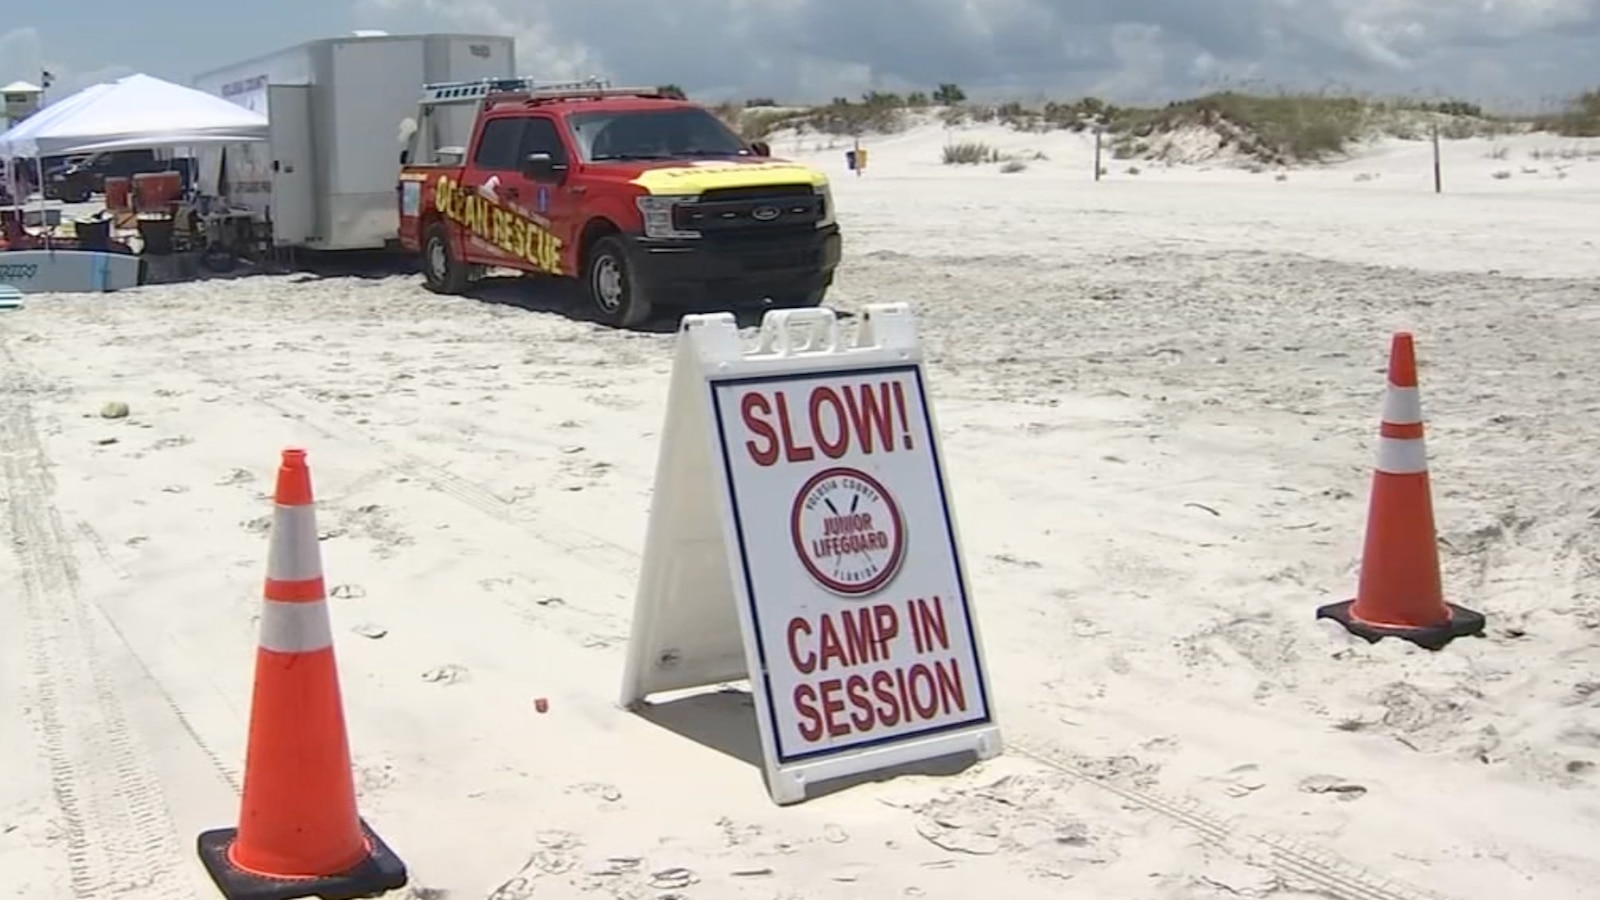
{"type": "Point", "coordinates": [1511, 53]}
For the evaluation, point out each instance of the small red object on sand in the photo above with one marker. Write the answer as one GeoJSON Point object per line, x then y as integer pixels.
{"type": "Point", "coordinates": [541, 705]}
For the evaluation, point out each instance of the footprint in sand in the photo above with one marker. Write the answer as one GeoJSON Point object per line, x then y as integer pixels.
{"type": "Point", "coordinates": [604, 792]}
{"type": "Point", "coordinates": [611, 401]}
{"type": "Point", "coordinates": [237, 476]}
{"type": "Point", "coordinates": [1017, 561]}
{"type": "Point", "coordinates": [372, 777]}
{"type": "Point", "coordinates": [450, 673]}
{"type": "Point", "coordinates": [1332, 784]}
{"type": "Point", "coordinates": [577, 474]}
{"type": "Point", "coordinates": [378, 524]}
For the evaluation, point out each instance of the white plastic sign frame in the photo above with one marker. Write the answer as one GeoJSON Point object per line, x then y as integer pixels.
{"type": "Point", "coordinates": [825, 568]}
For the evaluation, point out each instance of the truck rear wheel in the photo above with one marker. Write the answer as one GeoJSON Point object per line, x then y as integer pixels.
{"type": "Point", "coordinates": [441, 271]}
{"type": "Point", "coordinates": [618, 295]}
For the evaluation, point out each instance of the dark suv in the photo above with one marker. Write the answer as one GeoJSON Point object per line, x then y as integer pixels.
{"type": "Point", "coordinates": [74, 179]}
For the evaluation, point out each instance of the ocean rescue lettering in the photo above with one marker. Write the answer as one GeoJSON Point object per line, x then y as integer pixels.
{"type": "Point", "coordinates": [506, 229]}
{"type": "Point", "coordinates": [839, 699]}
{"type": "Point", "coordinates": [830, 419]}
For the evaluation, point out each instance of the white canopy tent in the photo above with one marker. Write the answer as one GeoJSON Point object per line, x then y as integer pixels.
{"type": "Point", "coordinates": [133, 113]}
{"type": "Point", "coordinates": [44, 117]}
{"type": "Point", "coordinates": [39, 120]}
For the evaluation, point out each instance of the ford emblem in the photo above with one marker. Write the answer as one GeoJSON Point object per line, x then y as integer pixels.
{"type": "Point", "coordinates": [765, 213]}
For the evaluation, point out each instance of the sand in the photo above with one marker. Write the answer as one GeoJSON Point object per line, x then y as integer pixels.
{"type": "Point", "coordinates": [1159, 396]}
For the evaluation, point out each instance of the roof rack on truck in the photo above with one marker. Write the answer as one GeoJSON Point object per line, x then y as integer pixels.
{"type": "Point", "coordinates": [452, 93]}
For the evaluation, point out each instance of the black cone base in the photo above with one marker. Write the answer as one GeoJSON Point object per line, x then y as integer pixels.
{"type": "Point", "coordinates": [1463, 623]}
{"type": "Point", "coordinates": [380, 872]}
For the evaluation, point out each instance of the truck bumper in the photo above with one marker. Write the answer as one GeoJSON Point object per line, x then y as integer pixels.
{"type": "Point", "coordinates": [736, 273]}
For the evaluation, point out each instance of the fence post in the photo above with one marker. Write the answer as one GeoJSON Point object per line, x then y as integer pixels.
{"type": "Point", "coordinates": [1098, 131]}
{"type": "Point", "coordinates": [1438, 174]}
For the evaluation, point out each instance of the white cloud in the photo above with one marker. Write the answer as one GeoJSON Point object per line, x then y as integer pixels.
{"type": "Point", "coordinates": [23, 58]}
{"type": "Point", "coordinates": [818, 48]}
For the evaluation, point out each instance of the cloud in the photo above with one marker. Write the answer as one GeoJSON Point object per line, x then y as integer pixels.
{"type": "Point", "coordinates": [23, 58]}
{"type": "Point", "coordinates": [818, 48]}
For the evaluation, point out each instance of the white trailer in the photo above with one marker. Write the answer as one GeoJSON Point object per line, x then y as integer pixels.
{"type": "Point", "coordinates": [326, 177]}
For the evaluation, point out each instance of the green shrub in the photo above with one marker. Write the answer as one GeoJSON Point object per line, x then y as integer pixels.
{"type": "Point", "coordinates": [841, 117]}
{"type": "Point", "coordinates": [756, 124]}
{"type": "Point", "coordinates": [1288, 127]}
{"type": "Point", "coordinates": [970, 153]}
{"type": "Point", "coordinates": [1582, 118]}
{"type": "Point", "coordinates": [1276, 129]}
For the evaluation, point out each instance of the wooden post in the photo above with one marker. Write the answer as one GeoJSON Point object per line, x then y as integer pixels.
{"type": "Point", "coordinates": [1438, 174]}
{"type": "Point", "coordinates": [1098, 131]}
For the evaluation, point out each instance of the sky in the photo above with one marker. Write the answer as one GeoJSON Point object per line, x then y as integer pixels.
{"type": "Point", "coordinates": [1510, 54]}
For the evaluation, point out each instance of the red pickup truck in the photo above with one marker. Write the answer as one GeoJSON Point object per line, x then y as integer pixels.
{"type": "Point", "coordinates": [648, 200]}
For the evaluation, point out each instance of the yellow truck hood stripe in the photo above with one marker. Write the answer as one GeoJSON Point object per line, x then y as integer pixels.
{"type": "Point", "coordinates": [700, 178]}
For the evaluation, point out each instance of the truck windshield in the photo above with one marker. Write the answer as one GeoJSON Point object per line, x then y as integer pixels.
{"type": "Point", "coordinates": [683, 132]}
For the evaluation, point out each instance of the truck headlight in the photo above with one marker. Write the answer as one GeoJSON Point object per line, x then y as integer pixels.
{"type": "Point", "coordinates": [664, 215]}
{"type": "Point", "coordinates": [825, 197]}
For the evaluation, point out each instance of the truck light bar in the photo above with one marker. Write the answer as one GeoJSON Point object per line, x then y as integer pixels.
{"type": "Point", "coordinates": [452, 93]}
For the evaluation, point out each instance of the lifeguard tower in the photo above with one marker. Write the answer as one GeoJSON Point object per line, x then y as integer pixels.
{"type": "Point", "coordinates": [21, 100]}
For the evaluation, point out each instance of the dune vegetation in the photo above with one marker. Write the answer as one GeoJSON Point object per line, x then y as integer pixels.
{"type": "Point", "coordinates": [1271, 129]}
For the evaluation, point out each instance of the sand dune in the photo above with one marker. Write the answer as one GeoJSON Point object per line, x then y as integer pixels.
{"type": "Point", "coordinates": [1159, 396]}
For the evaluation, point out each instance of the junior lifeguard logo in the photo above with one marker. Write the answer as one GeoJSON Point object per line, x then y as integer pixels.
{"type": "Point", "coordinates": [848, 532]}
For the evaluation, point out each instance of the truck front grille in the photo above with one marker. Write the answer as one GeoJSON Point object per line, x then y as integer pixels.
{"type": "Point", "coordinates": [759, 209]}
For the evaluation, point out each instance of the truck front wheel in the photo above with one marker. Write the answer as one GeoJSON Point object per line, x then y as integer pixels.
{"type": "Point", "coordinates": [441, 271]}
{"type": "Point", "coordinates": [618, 295]}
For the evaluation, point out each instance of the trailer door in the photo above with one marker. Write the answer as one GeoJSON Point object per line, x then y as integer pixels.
{"type": "Point", "coordinates": [293, 209]}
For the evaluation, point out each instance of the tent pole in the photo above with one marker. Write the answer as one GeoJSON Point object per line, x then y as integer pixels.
{"type": "Point", "coordinates": [44, 218]}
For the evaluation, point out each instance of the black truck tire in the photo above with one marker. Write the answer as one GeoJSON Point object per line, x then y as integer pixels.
{"type": "Point", "coordinates": [619, 296]}
{"type": "Point", "coordinates": [442, 273]}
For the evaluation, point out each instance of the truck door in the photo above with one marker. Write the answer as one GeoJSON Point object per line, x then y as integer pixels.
{"type": "Point", "coordinates": [293, 207]}
{"type": "Point", "coordinates": [493, 179]}
{"type": "Point", "coordinates": [548, 202]}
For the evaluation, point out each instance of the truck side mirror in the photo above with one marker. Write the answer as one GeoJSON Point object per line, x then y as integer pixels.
{"type": "Point", "coordinates": [761, 148]}
{"type": "Point", "coordinates": [541, 167]}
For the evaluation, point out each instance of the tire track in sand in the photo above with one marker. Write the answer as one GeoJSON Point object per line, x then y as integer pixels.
{"type": "Point", "coordinates": [226, 771]}
{"type": "Point", "coordinates": [114, 822]}
{"type": "Point", "coordinates": [1324, 871]}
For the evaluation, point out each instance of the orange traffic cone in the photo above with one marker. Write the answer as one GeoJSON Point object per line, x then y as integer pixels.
{"type": "Point", "coordinates": [1399, 593]}
{"type": "Point", "coordinates": [299, 834]}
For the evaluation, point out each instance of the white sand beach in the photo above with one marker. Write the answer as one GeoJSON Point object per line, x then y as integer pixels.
{"type": "Point", "coordinates": [1159, 396]}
